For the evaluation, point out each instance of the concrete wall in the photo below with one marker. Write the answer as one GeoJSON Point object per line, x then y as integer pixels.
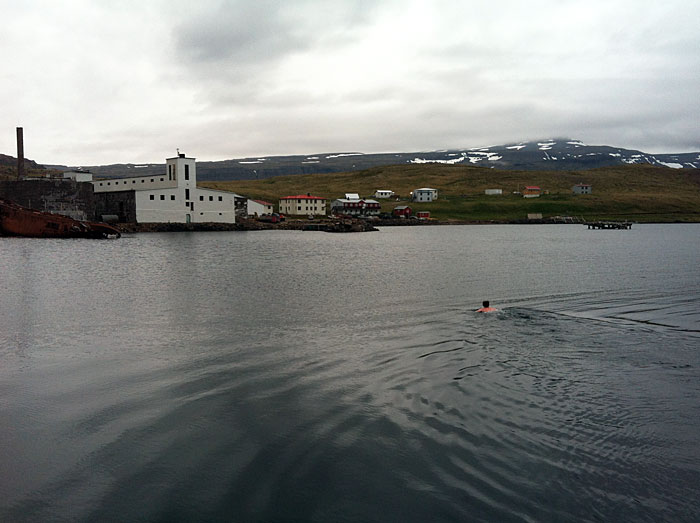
{"type": "Point", "coordinates": [122, 204]}
{"type": "Point", "coordinates": [67, 197]}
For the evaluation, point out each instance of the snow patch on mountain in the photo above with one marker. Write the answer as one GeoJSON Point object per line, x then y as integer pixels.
{"type": "Point", "coordinates": [672, 165]}
{"type": "Point", "coordinates": [427, 160]}
{"type": "Point", "coordinates": [344, 154]}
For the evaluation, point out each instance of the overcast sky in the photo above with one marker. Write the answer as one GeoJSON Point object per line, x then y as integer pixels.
{"type": "Point", "coordinates": [116, 81]}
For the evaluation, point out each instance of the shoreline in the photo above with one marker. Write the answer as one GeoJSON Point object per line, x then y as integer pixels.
{"type": "Point", "coordinates": [333, 225]}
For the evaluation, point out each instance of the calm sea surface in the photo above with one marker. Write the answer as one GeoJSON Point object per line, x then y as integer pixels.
{"type": "Point", "coordinates": [305, 376]}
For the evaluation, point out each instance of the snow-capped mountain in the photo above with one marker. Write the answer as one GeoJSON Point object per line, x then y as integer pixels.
{"type": "Point", "coordinates": [555, 154]}
{"type": "Point", "coordinates": [561, 154]}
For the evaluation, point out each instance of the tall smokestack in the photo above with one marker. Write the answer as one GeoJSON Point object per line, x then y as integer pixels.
{"type": "Point", "coordinates": [20, 154]}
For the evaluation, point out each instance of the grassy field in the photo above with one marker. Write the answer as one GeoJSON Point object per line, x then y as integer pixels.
{"type": "Point", "coordinates": [636, 192]}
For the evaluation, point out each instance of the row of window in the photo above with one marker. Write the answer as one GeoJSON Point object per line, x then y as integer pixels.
{"type": "Point", "coordinates": [172, 197]}
{"type": "Point", "coordinates": [126, 182]}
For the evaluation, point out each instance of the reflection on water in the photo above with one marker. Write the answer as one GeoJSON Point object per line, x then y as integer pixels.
{"type": "Point", "coordinates": [313, 377]}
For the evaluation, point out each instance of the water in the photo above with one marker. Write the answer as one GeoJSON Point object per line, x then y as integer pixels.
{"type": "Point", "coordinates": [304, 376]}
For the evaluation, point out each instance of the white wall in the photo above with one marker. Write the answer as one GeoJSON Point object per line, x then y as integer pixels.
{"type": "Point", "coordinates": [138, 183]}
{"type": "Point", "coordinates": [258, 208]}
{"type": "Point", "coordinates": [169, 205]}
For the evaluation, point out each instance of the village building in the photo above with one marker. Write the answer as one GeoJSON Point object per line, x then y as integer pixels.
{"type": "Point", "coordinates": [383, 193]}
{"type": "Point", "coordinates": [423, 215]}
{"type": "Point", "coordinates": [355, 207]}
{"type": "Point", "coordinates": [582, 188]}
{"type": "Point", "coordinates": [259, 207]}
{"type": "Point", "coordinates": [532, 191]}
{"type": "Point", "coordinates": [402, 210]}
{"type": "Point", "coordinates": [78, 175]}
{"type": "Point", "coordinates": [352, 196]}
{"type": "Point", "coordinates": [171, 197]}
{"type": "Point", "coordinates": [424, 195]}
{"type": "Point", "coordinates": [493, 192]}
{"type": "Point", "coordinates": [303, 205]}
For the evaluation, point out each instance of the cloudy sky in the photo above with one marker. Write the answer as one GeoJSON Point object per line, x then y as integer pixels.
{"type": "Point", "coordinates": [115, 81]}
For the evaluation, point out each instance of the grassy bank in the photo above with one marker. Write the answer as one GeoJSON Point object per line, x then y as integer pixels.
{"type": "Point", "coordinates": [640, 193]}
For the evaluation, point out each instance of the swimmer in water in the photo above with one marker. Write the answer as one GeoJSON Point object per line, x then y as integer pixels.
{"type": "Point", "coordinates": [486, 307]}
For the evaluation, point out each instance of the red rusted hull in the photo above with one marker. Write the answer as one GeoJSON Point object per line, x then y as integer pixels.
{"type": "Point", "coordinates": [16, 220]}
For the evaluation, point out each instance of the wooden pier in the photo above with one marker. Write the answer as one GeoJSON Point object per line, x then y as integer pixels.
{"type": "Point", "coordinates": [609, 225]}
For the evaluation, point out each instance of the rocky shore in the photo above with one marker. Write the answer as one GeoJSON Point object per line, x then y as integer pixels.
{"type": "Point", "coordinates": [244, 224]}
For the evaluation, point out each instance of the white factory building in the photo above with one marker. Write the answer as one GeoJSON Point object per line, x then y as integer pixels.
{"type": "Point", "coordinates": [169, 197]}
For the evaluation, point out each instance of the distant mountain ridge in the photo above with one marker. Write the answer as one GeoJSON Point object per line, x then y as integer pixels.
{"type": "Point", "coordinates": [560, 154]}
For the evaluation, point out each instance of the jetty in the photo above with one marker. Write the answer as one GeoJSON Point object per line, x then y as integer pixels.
{"type": "Point", "coordinates": [608, 225]}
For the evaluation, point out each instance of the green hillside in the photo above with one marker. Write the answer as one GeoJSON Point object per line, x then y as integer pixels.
{"type": "Point", "coordinates": [635, 192]}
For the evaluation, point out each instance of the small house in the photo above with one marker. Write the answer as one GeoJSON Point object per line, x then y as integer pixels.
{"type": "Point", "coordinates": [423, 215]}
{"type": "Point", "coordinates": [402, 210]}
{"type": "Point", "coordinates": [352, 196]}
{"type": "Point", "coordinates": [425, 194]}
{"type": "Point", "coordinates": [383, 193]}
{"type": "Point", "coordinates": [582, 188]}
{"type": "Point", "coordinates": [259, 207]}
{"type": "Point", "coordinates": [492, 192]}
{"type": "Point", "coordinates": [532, 191]}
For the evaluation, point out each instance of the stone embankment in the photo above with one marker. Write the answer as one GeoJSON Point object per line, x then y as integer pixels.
{"type": "Point", "coordinates": [243, 224]}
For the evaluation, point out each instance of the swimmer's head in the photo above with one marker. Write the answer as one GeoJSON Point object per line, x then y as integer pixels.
{"type": "Point", "coordinates": [485, 303]}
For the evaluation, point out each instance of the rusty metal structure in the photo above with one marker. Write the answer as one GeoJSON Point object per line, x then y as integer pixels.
{"type": "Point", "coordinates": [16, 220]}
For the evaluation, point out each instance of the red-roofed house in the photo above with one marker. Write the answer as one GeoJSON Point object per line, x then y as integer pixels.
{"type": "Point", "coordinates": [532, 191]}
{"type": "Point", "coordinates": [303, 205]}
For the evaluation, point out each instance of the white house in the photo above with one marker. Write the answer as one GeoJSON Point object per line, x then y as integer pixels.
{"type": "Point", "coordinates": [352, 196]}
{"type": "Point", "coordinates": [303, 204]}
{"type": "Point", "coordinates": [582, 188]}
{"type": "Point", "coordinates": [424, 195]}
{"type": "Point", "coordinates": [169, 197]}
{"type": "Point", "coordinates": [383, 193]}
{"type": "Point", "coordinates": [78, 176]}
{"type": "Point", "coordinates": [259, 207]}
{"type": "Point", "coordinates": [493, 191]}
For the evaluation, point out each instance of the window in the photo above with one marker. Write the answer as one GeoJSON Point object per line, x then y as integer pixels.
{"type": "Point", "coordinates": [152, 180]}
{"type": "Point", "coordinates": [211, 198]}
{"type": "Point", "coordinates": [299, 208]}
{"type": "Point", "coordinates": [187, 194]}
{"type": "Point", "coordinates": [143, 181]}
{"type": "Point", "coordinates": [153, 197]}
{"type": "Point", "coordinates": [162, 179]}
{"type": "Point", "coordinates": [162, 197]}
{"type": "Point", "coordinates": [172, 196]}
{"type": "Point", "coordinates": [187, 172]}
{"type": "Point", "coordinates": [221, 198]}
{"type": "Point", "coordinates": [133, 181]}
{"type": "Point", "coordinates": [201, 198]}
{"type": "Point", "coordinates": [109, 183]}
{"type": "Point", "coordinates": [100, 184]}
